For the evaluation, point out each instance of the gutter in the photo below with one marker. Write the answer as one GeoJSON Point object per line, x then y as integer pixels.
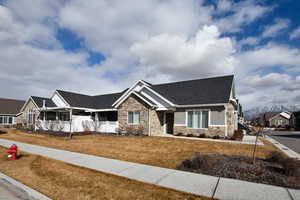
{"type": "Point", "coordinates": [199, 105]}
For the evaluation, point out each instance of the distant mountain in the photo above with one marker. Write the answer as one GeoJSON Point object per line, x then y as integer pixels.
{"type": "Point", "coordinates": [257, 111]}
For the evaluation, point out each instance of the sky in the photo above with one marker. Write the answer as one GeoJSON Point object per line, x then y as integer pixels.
{"type": "Point", "coordinates": [103, 46]}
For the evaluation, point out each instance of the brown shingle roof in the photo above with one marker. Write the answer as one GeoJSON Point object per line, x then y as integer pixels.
{"type": "Point", "coordinates": [10, 106]}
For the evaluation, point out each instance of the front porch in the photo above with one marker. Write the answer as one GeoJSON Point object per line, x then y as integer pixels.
{"type": "Point", "coordinates": [76, 120]}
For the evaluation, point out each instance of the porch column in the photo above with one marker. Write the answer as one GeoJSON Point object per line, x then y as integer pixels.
{"type": "Point", "coordinates": [96, 121]}
{"type": "Point", "coordinates": [56, 116]}
{"type": "Point", "coordinates": [44, 116]}
{"type": "Point", "coordinates": [71, 111]}
{"type": "Point", "coordinates": [165, 123]}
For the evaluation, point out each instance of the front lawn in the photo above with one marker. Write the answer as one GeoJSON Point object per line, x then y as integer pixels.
{"type": "Point", "coordinates": [157, 151]}
{"type": "Point", "coordinates": [62, 181]}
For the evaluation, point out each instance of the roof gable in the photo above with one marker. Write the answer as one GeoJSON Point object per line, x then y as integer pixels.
{"type": "Point", "coordinates": [39, 101]}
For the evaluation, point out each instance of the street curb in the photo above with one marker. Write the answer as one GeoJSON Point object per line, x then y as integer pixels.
{"type": "Point", "coordinates": [289, 152]}
{"type": "Point", "coordinates": [31, 192]}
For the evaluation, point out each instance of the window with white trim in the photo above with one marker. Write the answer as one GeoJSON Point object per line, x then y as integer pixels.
{"type": "Point", "coordinates": [10, 120]}
{"type": "Point", "coordinates": [197, 119]}
{"type": "Point", "coordinates": [133, 117]}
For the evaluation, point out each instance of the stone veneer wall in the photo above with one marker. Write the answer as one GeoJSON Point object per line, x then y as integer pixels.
{"type": "Point", "coordinates": [230, 120]}
{"type": "Point", "coordinates": [133, 103]}
{"type": "Point", "coordinates": [156, 122]}
{"type": "Point", "coordinates": [210, 132]}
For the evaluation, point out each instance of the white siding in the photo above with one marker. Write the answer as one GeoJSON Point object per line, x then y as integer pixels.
{"type": "Point", "coordinates": [153, 97]}
{"type": "Point", "coordinates": [58, 101]}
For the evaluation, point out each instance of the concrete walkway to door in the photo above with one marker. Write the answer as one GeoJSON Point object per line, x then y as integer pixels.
{"type": "Point", "coordinates": [199, 184]}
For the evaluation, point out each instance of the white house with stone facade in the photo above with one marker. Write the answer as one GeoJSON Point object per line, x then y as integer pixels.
{"type": "Point", "coordinates": [202, 106]}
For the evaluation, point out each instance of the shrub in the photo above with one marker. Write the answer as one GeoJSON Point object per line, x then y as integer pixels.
{"type": "Point", "coordinates": [189, 135]}
{"type": "Point", "coordinates": [237, 135]}
{"type": "Point", "coordinates": [290, 166]}
{"type": "Point", "coordinates": [129, 130]}
{"type": "Point", "coordinates": [202, 135]}
{"type": "Point", "coordinates": [136, 131]}
{"type": "Point", "coordinates": [139, 130]}
{"type": "Point", "coordinates": [216, 137]}
{"type": "Point", "coordinates": [19, 126]}
{"type": "Point", "coordinates": [178, 134]}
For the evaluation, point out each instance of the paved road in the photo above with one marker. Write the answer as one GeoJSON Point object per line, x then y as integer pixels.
{"type": "Point", "coordinates": [10, 192]}
{"type": "Point", "coordinates": [289, 139]}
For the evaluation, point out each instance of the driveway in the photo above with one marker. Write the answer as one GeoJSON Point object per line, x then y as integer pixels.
{"type": "Point", "coordinates": [287, 138]}
{"type": "Point", "coordinates": [10, 192]}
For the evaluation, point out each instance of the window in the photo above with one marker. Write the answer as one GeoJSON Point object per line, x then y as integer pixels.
{"type": "Point", "coordinates": [64, 116]}
{"type": "Point", "coordinates": [197, 119]}
{"type": "Point", "coordinates": [10, 120]}
{"type": "Point", "coordinates": [134, 117]}
{"type": "Point", "coordinates": [5, 121]}
{"type": "Point", "coordinates": [1, 120]}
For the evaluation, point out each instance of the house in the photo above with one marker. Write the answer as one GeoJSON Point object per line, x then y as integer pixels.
{"type": "Point", "coordinates": [9, 110]}
{"type": "Point", "coordinates": [203, 106]}
{"type": "Point", "coordinates": [296, 120]}
{"type": "Point", "coordinates": [276, 119]}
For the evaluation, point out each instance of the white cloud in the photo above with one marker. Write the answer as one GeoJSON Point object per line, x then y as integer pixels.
{"type": "Point", "coordinates": [277, 28]}
{"type": "Point", "coordinates": [29, 70]}
{"type": "Point", "coordinates": [268, 90]}
{"type": "Point", "coordinates": [179, 56]}
{"type": "Point", "coordinates": [224, 5]}
{"type": "Point", "coordinates": [249, 41]}
{"type": "Point", "coordinates": [240, 14]}
{"type": "Point", "coordinates": [270, 55]}
{"type": "Point", "coordinates": [295, 33]}
{"type": "Point", "coordinates": [269, 80]}
{"type": "Point", "coordinates": [115, 25]}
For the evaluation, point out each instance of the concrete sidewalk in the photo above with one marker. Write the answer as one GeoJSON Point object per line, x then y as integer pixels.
{"type": "Point", "coordinates": [247, 139]}
{"type": "Point", "coordinates": [199, 184]}
{"type": "Point", "coordinates": [11, 189]}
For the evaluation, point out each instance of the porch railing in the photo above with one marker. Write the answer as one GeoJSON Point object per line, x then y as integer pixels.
{"type": "Point", "coordinates": [78, 125]}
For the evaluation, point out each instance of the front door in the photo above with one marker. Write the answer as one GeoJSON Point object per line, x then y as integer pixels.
{"type": "Point", "coordinates": [169, 123]}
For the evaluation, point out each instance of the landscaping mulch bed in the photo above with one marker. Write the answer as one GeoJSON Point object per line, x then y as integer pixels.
{"type": "Point", "coordinates": [276, 169]}
{"type": "Point", "coordinates": [3, 132]}
{"type": "Point", "coordinates": [67, 134]}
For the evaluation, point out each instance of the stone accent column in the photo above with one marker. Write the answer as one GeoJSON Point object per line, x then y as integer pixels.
{"type": "Point", "coordinates": [156, 122]}
{"type": "Point", "coordinates": [230, 120]}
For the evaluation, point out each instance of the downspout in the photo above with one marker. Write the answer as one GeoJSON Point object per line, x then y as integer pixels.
{"type": "Point", "coordinates": [71, 122]}
{"type": "Point", "coordinates": [149, 126]}
{"type": "Point", "coordinates": [226, 125]}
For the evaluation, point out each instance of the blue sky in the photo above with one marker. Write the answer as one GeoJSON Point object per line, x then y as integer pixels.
{"type": "Point", "coordinates": [100, 46]}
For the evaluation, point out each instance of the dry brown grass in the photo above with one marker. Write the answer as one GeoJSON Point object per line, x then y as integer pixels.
{"type": "Point", "coordinates": [157, 151]}
{"type": "Point", "coordinates": [59, 180]}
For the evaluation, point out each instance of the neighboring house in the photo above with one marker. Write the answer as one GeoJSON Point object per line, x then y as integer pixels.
{"type": "Point", "coordinates": [275, 119]}
{"type": "Point", "coordinates": [9, 110]}
{"type": "Point", "coordinates": [187, 107]}
{"type": "Point", "coordinates": [296, 120]}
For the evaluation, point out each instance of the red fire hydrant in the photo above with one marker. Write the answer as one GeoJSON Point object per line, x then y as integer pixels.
{"type": "Point", "coordinates": [12, 152]}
